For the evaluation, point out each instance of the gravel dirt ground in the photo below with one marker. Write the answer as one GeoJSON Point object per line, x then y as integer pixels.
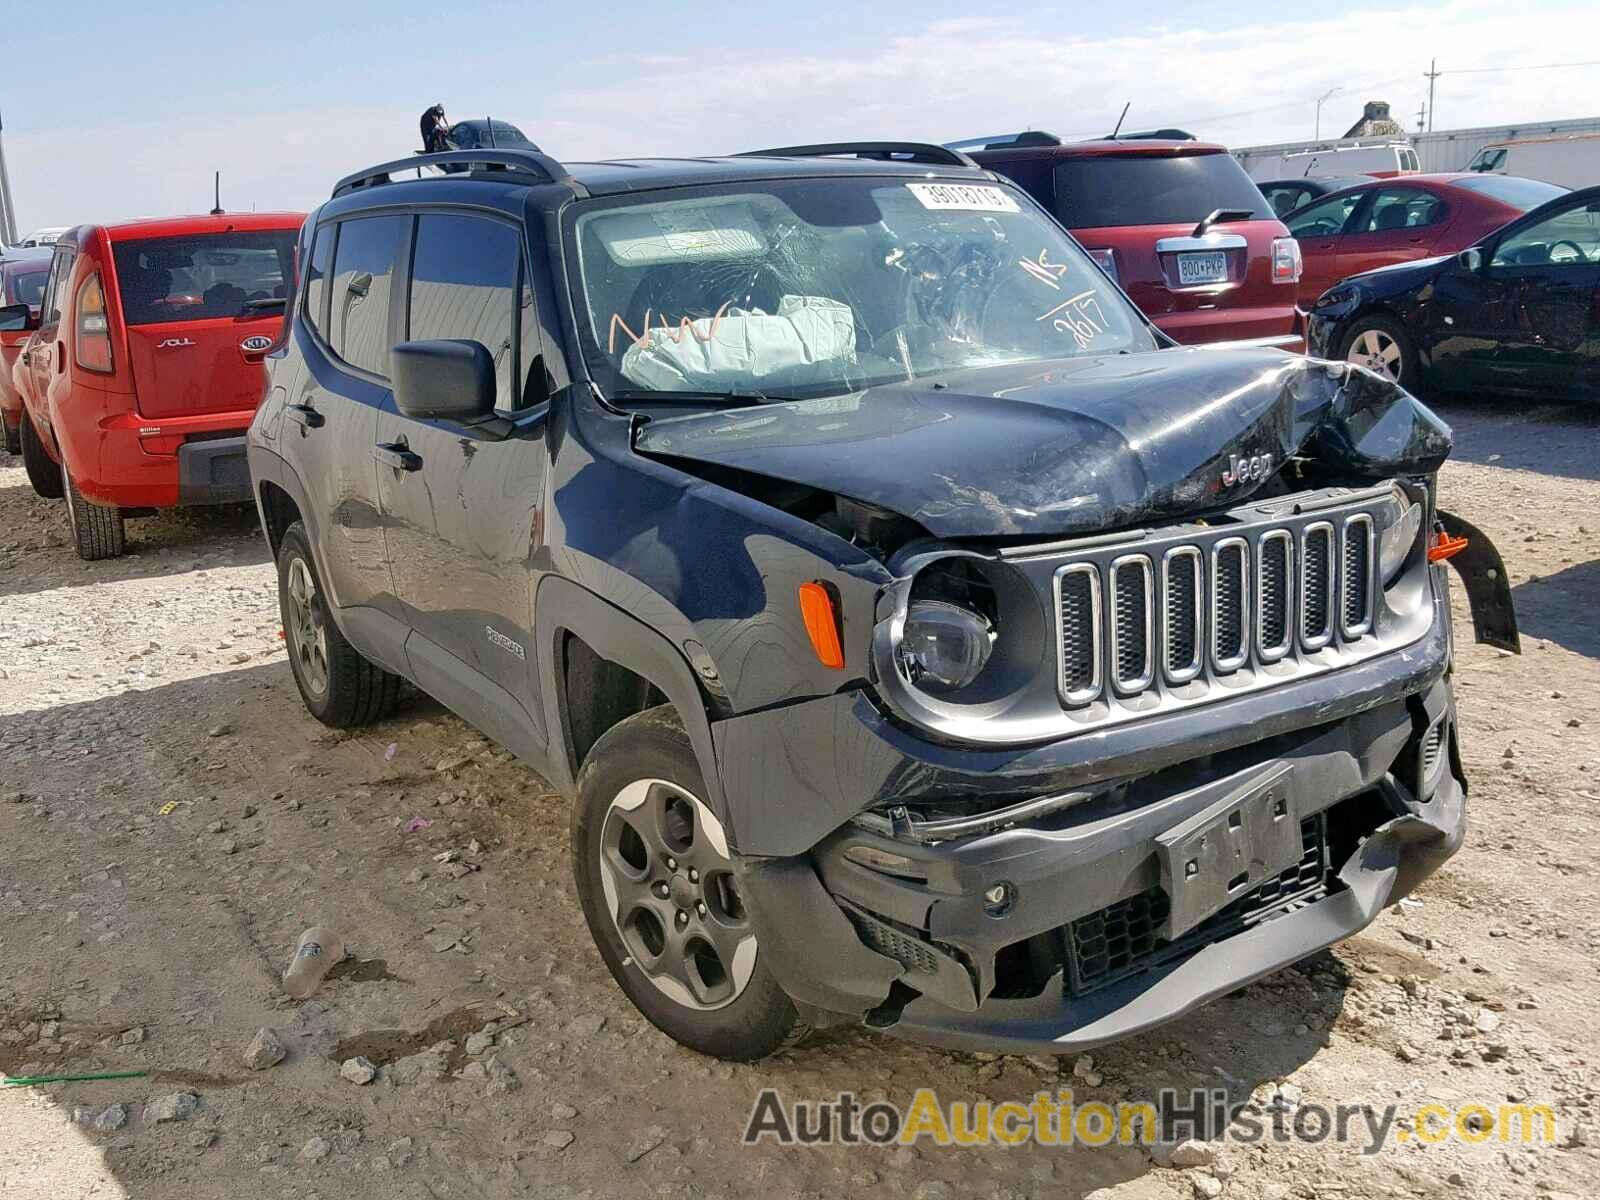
{"type": "Point", "coordinates": [171, 819]}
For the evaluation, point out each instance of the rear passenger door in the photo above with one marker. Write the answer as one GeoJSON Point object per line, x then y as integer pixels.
{"type": "Point", "coordinates": [464, 515]}
{"type": "Point", "coordinates": [331, 409]}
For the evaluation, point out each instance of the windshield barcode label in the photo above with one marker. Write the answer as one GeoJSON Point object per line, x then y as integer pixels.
{"type": "Point", "coordinates": [963, 196]}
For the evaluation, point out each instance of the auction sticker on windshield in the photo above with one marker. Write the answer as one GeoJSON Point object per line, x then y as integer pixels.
{"type": "Point", "coordinates": [966, 197]}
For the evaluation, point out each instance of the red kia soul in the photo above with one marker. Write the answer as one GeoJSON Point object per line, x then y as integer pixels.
{"type": "Point", "coordinates": [1176, 222]}
{"type": "Point", "coordinates": [143, 366]}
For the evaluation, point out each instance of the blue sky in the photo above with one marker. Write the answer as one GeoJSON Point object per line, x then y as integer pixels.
{"type": "Point", "coordinates": [125, 110]}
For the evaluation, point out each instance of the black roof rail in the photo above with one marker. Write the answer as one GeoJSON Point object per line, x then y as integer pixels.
{"type": "Point", "coordinates": [1004, 141]}
{"type": "Point", "coordinates": [917, 152]}
{"type": "Point", "coordinates": [542, 167]}
{"type": "Point", "coordinates": [1164, 135]}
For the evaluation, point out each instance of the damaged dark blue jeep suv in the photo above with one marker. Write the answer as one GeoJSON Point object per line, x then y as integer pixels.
{"type": "Point", "coordinates": [924, 639]}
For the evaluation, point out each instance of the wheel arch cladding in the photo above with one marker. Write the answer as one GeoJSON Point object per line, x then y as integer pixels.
{"type": "Point", "coordinates": [566, 617]}
{"type": "Point", "coordinates": [278, 512]}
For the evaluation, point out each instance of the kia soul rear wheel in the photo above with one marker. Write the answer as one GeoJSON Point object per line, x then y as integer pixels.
{"type": "Point", "coordinates": [98, 530]}
{"type": "Point", "coordinates": [662, 900]}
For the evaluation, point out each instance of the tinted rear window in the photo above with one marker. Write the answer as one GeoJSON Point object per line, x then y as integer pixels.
{"type": "Point", "coordinates": [1521, 194]}
{"type": "Point", "coordinates": [206, 276]}
{"type": "Point", "coordinates": [1137, 189]}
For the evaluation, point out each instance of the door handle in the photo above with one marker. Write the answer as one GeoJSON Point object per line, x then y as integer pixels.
{"type": "Point", "coordinates": [397, 455]}
{"type": "Point", "coordinates": [304, 416]}
{"type": "Point", "coordinates": [61, 357]}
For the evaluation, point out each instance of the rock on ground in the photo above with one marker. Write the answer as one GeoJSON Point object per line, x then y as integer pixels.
{"type": "Point", "coordinates": [265, 1050]}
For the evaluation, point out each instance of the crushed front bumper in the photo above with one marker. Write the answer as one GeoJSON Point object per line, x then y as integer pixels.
{"type": "Point", "coordinates": [1058, 935]}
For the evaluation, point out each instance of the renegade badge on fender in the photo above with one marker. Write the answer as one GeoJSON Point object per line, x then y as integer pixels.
{"type": "Point", "coordinates": [922, 644]}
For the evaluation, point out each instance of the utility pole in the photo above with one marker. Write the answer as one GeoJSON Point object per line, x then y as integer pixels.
{"type": "Point", "coordinates": [1430, 75]}
{"type": "Point", "coordinates": [8, 214]}
{"type": "Point", "coordinates": [1422, 110]}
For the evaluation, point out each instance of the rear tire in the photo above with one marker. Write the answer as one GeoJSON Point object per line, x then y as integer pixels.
{"type": "Point", "coordinates": [650, 857]}
{"type": "Point", "coordinates": [340, 687]}
{"type": "Point", "coordinates": [43, 471]}
{"type": "Point", "coordinates": [13, 437]}
{"type": "Point", "coordinates": [98, 531]}
{"type": "Point", "coordinates": [1382, 345]}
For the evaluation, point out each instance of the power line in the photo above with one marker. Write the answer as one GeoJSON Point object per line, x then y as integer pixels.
{"type": "Point", "coordinates": [1530, 67]}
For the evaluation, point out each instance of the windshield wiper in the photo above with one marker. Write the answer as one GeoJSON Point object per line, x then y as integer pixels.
{"type": "Point", "coordinates": [265, 303]}
{"type": "Point", "coordinates": [655, 396]}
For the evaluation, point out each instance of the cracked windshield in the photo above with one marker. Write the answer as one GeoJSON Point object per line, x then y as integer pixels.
{"type": "Point", "coordinates": [828, 287]}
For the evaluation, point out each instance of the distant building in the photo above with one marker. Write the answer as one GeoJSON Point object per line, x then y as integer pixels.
{"type": "Point", "coordinates": [1439, 150]}
{"type": "Point", "coordinates": [1376, 122]}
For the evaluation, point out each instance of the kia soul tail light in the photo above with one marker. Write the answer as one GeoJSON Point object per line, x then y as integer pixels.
{"type": "Point", "coordinates": [91, 342]}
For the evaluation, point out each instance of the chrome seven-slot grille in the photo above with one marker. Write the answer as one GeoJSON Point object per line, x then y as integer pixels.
{"type": "Point", "coordinates": [1230, 598]}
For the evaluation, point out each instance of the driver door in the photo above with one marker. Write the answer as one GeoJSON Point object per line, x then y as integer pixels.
{"type": "Point", "coordinates": [1318, 228]}
{"type": "Point", "coordinates": [1542, 330]}
{"type": "Point", "coordinates": [463, 507]}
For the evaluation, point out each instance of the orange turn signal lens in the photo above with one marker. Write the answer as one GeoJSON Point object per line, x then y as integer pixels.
{"type": "Point", "coordinates": [1444, 546]}
{"type": "Point", "coordinates": [822, 624]}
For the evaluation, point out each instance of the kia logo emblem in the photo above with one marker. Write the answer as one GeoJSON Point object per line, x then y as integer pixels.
{"type": "Point", "coordinates": [256, 343]}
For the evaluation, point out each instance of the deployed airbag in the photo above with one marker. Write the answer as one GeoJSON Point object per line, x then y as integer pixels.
{"type": "Point", "coordinates": [807, 340]}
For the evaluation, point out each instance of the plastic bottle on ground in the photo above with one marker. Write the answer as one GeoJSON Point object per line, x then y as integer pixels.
{"type": "Point", "coordinates": [315, 954]}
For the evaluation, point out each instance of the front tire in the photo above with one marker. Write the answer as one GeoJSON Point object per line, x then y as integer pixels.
{"type": "Point", "coordinates": [340, 687]}
{"type": "Point", "coordinates": [1382, 345]}
{"type": "Point", "coordinates": [661, 898]}
{"type": "Point", "coordinates": [98, 530]}
{"type": "Point", "coordinates": [43, 471]}
{"type": "Point", "coordinates": [13, 437]}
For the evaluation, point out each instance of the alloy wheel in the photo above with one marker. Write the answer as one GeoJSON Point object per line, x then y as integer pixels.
{"type": "Point", "coordinates": [670, 889]}
{"type": "Point", "coordinates": [1378, 352]}
{"type": "Point", "coordinates": [307, 627]}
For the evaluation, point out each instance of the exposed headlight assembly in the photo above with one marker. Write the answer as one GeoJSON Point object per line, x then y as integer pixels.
{"type": "Point", "coordinates": [943, 646]}
{"type": "Point", "coordinates": [1399, 537]}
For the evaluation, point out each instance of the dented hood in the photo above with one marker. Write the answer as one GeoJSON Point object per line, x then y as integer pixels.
{"type": "Point", "coordinates": [1072, 446]}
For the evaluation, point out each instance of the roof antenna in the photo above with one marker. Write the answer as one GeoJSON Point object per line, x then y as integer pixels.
{"type": "Point", "coordinates": [216, 210]}
{"type": "Point", "coordinates": [488, 123]}
{"type": "Point", "coordinates": [1121, 119]}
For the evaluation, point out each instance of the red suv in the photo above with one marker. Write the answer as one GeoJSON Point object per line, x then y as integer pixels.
{"type": "Point", "coordinates": [1177, 223]}
{"type": "Point", "coordinates": [22, 274]}
{"type": "Point", "coordinates": [143, 367]}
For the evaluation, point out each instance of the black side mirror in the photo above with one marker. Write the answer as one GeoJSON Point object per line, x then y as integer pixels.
{"type": "Point", "coordinates": [1471, 259]}
{"type": "Point", "coordinates": [17, 318]}
{"type": "Point", "coordinates": [449, 379]}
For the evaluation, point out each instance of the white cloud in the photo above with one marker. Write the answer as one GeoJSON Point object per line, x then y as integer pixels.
{"type": "Point", "coordinates": [948, 79]}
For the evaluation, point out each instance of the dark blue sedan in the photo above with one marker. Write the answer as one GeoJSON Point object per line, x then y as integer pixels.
{"type": "Point", "coordinates": [1519, 311]}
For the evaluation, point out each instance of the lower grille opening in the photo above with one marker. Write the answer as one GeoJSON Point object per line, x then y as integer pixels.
{"type": "Point", "coordinates": [1432, 749]}
{"type": "Point", "coordinates": [1121, 939]}
{"type": "Point", "coordinates": [906, 946]}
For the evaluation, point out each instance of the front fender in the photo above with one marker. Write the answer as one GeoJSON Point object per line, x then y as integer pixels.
{"type": "Point", "coordinates": [1483, 574]}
